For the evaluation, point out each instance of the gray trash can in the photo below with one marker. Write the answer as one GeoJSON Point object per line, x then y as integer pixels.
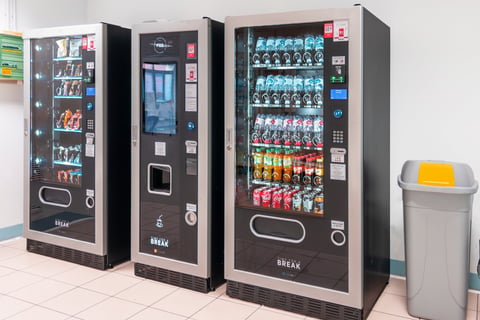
{"type": "Point", "coordinates": [437, 211]}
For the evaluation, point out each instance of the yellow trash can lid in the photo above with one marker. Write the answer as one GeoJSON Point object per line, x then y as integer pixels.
{"type": "Point", "coordinates": [437, 176]}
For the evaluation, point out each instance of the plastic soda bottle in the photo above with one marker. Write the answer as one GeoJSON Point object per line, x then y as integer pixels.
{"type": "Point", "coordinates": [277, 165]}
{"type": "Point", "coordinates": [318, 179]}
{"type": "Point", "coordinates": [268, 165]}
{"type": "Point", "coordinates": [258, 163]}
{"type": "Point", "coordinates": [309, 171]}
{"type": "Point", "coordinates": [287, 166]}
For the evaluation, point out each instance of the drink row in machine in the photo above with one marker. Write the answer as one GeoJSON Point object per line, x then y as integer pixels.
{"type": "Point", "coordinates": [288, 91]}
{"type": "Point", "coordinates": [288, 130]}
{"type": "Point", "coordinates": [285, 51]}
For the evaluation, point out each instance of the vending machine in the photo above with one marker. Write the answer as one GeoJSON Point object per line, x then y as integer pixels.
{"type": "Point", "coordinates": [177, 158]}
{"type": "Point", "coordinates": [307, 161]}
{"type": "Point", "coordinates": [77, 143]}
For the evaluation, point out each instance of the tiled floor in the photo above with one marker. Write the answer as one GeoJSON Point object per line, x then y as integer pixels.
{"type": "Point", "coordinates": [37, 287]}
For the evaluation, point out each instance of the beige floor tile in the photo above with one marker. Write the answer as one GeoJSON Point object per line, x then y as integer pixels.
{"type": "Point", "coordinates": [392, 304]}
{"type": "Point", "coordinates": [125, 268]}
{"type": "Point", "coordinates": [4, 271]}
{"type": "Point", "coordinates": [41, 291]}
{"type": "Point", "coordinates": [147, 292]}
{"type": "Point", "coordinates": [472, 301]}
{"type": "Point", "coordinates": [79, 275]}
{"type": "Point", "coordinates": [183, 302]}
{"type": "Point", "coordinates": [17, 280]}
{"type": "Point", "coordinates": [154, 314]}
{"type": "Point", "coordinates": [375, 315]}
{"type": "Point", "coordinates": [23, 261]}
{"type": "Point", "coordinates": [111, 308]}
{"type": "Point", "coordinates": [38, 312]}
{"type": "Point", "coordinates": [264, 313]}
{"type": "Point", "coordinates": [7, 253]}
{"type": "Point", "coordinates": [396, 286]}
{"type": "Point", "coordinates": [221, 309]}
{"type": "Point", "coordinates": [111, 283]}
{"type": "Point", "coordinates": [11, 306]}
{"type": "Point", "coordinates": [75, 301]}
{"type": "Point", "coordinates": [18, 243]}
{"type": "Point", "coordinates": [50, 267]}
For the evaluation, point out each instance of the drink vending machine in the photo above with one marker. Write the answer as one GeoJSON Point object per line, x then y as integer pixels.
{"type": "Point", "coordinates": [177, 158]}
{"type": "Point", "coordinates": [77, 143]}
{"type": "Point", "coordinates": [307, 161]}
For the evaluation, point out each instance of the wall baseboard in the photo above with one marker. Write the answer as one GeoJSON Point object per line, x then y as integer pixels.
{"type": "Point", "coordinates": [11, 232]}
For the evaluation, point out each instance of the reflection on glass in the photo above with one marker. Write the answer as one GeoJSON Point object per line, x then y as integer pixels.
{"type": "Point", "coordinates": [159, 101]}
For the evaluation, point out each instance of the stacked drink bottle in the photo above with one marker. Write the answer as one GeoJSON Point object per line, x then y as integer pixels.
{"type": "Point", "coordinates": [288, 130]}
{"type": "Point", "coordinates": [285, 51]}
{"type": "Point", "coordinates": [288, 91]}
{"type": "Point", "coordinates": [296, 180]}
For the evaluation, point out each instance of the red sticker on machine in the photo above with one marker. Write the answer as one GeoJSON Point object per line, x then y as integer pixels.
{"type": "Point", "coordinates": [191, 52]}
{"type": "Point", "coordinates": [328, 30]}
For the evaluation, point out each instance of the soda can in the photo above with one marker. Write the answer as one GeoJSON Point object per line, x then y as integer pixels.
{"type": "Point", "coordinates": [318, 204]}
{"type": "Point", "coordinates": [266, 197]}
{"type": "Point", "coordinates": [308, 202]}
{"type": "Point", "coordinates": [257, 196]}
{"type": "Point", "coordinates": [297, 201]}
{"type": "Point", "coordinates": [277, 197]}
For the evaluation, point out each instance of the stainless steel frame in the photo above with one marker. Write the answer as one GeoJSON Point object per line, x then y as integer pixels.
{"type": "Point", "coordinates": [203, 268]}
{"type": "Point", "coordinates": [354, 296]}
{"type": "Point", "coordinates": [100, 245]}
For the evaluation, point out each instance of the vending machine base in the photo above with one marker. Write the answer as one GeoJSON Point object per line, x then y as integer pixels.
{"type": "Point", "coordinates": [178, 279]}
{"type": "Point", "coordinates": [292, 303]}
{"type": "Point", "coordinates": [71, 255]}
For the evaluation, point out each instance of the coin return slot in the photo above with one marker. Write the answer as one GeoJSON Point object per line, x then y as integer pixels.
{"type": "Point", "coordinates": [160, 179]}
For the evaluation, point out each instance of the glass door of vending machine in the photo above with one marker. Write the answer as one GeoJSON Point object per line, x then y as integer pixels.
{"type": "Point", "coordinates": [299, 132]}
{"type": "Point", "coordinates": [58, 136]}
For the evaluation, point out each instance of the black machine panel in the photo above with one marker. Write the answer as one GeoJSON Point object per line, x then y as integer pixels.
{"type": "Point", "coordinates": [291, 214]}
{"type": "Point", "coordinates": [169, 145]}
{"type": "Point", "coordinates": [62, 187]}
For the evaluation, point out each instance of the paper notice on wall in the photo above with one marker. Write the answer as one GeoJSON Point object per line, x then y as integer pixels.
{"type": "Point", "coordinates": [160, 149]}
{"type": "Point", "coordinates": [191, 97]}
{"type": "Point", "coordinates": [338, 171]}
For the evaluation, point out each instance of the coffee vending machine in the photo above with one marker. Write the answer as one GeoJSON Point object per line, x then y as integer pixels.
{"type": "Point", "coordinates": [177, 158]}
{"type": "Point", "coordinates": [307, 161]}
{"type": "Point", "coordinates": [77, 143]}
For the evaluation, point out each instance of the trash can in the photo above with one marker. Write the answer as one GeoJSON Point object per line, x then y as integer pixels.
{"type": "Point", "coordinates": [437, 211]}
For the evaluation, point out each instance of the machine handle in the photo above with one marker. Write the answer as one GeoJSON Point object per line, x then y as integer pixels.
{"type": "Point", "coordinates": [229, 138]}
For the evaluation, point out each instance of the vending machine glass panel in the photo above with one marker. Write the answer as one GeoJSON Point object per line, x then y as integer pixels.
{"type": "Point", "coordinates": [284, 204]}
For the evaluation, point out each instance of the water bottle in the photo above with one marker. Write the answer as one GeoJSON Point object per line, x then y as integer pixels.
{"type": "Point", "coordinates": [278, 88]}
{"type": "Point", "coordinates": [287, 92]}
{"type": "Point", "coordinates": [308, 87]}
{"type": "Point", "coordinates": [309, 45]}
{"type": "Point", "coordinates": [318, 96]}
{"type": "Point", "coordinates": [270, 49]}
{"type": "Point", "coordinates": [279, 50]}
{"type": "Point", "coordinates": [297, 91]}
{"type": "Point", "coordinates": [267, 94]}
{"type": "Point", "coordinates": [319, 46]}
{"type": "Point", "coordinates": [260, 49]}
{"type": "Point", "coordinates": [287, 54]}
{"type": "Point", "coordinates": [298, 50]}
{"type": "Point", "coordinates": [259, 89]}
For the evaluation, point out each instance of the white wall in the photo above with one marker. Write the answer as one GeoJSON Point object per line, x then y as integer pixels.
{"type": "Point", "coordinates": [434, 102]}
{"type": "Point", "coordinates": [435, 108]}
{"type": "Point", "coordinates": [30, 14]}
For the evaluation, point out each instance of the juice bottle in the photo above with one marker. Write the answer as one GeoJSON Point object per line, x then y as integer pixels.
{"type": "Point", "coordinates": [268, 165]}
{"type": "Point", "coordinates": [287, 166]}
{"type": "Point", "coordinates": [318, 179]}
{"type": "Point", "coordinates": [258, 163]}
{"type": "Point", "coordinates": [277, 165]}
{"type": "Point", "coordinates": [309, 171]}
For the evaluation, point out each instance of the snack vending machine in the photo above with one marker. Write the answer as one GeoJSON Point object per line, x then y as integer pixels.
{"type": "Point", "coordinates": [307, 161]}
{"type": "Point", "coordinates": [177, 158]}
{"type": "Point", "coordinates": [77, 143]}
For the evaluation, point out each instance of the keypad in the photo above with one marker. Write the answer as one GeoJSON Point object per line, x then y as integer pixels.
{"type": "Point", "coordinates": [337, 136]}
